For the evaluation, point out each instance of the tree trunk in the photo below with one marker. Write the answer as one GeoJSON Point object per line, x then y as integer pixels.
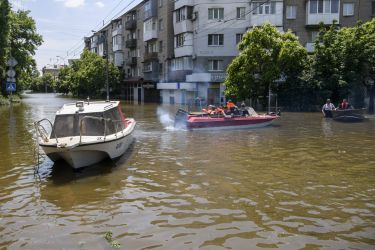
{"type": "Point", "coordinates": [371, 100]}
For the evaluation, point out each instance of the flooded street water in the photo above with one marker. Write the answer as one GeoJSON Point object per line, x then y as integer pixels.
{"type": "Point", "coordinates": [303, 183]}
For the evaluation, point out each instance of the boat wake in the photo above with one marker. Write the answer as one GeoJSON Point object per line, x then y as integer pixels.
{"type": "Point", "coordinates": [165, 119]}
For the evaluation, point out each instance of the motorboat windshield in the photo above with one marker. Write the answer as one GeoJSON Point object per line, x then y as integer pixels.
{"type": "Point", "coordinates": [88, 124]}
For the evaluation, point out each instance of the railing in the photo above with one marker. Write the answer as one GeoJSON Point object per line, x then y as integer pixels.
{"type": "Point", "coordinates": [42, 132]}
{"type": "Point", "coordinates": [131, 24]}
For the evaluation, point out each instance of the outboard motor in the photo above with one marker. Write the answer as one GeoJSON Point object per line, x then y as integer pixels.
{"type": "Point", "coordinates": [180, 119]}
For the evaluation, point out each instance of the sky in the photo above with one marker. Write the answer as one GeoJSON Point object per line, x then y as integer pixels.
{"type": "Point", "coordinates": [64, 23]}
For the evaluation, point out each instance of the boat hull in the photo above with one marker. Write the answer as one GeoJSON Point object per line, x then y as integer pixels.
{"type": "Point", "coordinates": [90, 150]}
{"type": "Point", "coordinates": [349, 115]}
{"type": "Point", "coordinates": [208, 123]}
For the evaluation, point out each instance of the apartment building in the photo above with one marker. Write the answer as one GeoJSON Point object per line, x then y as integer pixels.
{"type": "Point", "coordinates": [304, 17]}
{"type": "Point", "coordinates": [206, 34]}
{"type": "Point", "coordinates": [177, 51]}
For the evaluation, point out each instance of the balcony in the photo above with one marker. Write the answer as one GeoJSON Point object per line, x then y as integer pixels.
{"type": "Point", "coordinates": [131, 61]}
{"type": "Point", "coordinates": [118, 59]}
{"type": "Point", "coordinates": [117, 47]}
{"type": "Point", "coordinates": [181, 3]}
{"type": "Point", "coordinates": [177, 85]}
{"type": "Point", "coordinates": [131, 43]}
{"type": "Point", "coordinates": [206, 77]}
{"type": "Point", "coordinates": [117, 31]}
{"type": "Point", "coordinates": [150, 56]}
{"type": "Point", "coordinates": [131, 24]}
{"type": "Point", "coordinates": [184, 51]}
{"type": "Point", "coordinates": [150, 9]}
{"type": "Point", "coordinates": [325, 18]}
{"type": "Point", "coordinates": [149, 35]}
{"type": "Point", "coordinates": [183, 27]}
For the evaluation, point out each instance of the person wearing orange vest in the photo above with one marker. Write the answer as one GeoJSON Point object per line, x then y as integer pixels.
{"type": "Point", "coordinates": [345, 105]}
{"type": "Point", "coordinates": [230, 105]}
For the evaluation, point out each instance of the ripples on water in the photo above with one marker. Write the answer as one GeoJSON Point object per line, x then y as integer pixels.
{"type": "Point", "coordinates": [305, 183]}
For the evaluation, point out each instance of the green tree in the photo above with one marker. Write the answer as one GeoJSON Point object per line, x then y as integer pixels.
{"type": "Point", "coordinates": [358, 57]}
{"type": "Point", "coordinates": [87, 76]}
{"type": "Point", "coordinates": [4, 36]}
{"type": "Point", "coordinates": [265, 56]}
{"type": "Point", "coordinates": [327, 62]}
{"type": "Point", "coordinates": [24, 40]}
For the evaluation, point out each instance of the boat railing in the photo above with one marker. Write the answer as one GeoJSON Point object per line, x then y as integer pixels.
{"type": "Point", "coordinates": [42, 132]}
{"type": "Point", "coordinates": [116, 122]}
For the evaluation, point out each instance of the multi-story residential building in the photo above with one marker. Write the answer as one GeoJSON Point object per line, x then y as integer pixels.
{"type": "Point", "coordinates": [183, 47]}
{"type": "Point", "coordinates": [304, 17]}
{"type": "Point", "coordinates": [206, 34]}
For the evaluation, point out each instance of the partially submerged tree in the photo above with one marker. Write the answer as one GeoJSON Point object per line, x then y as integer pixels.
{"type": "Point", "coordinates": [266, 55]}
{"type": "Point", "coordinates": [24, 40]}
{"type": "Point", "coordinates": [4, 36]}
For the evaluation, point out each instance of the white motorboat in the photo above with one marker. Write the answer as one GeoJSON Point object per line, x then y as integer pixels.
{"type": "Point", "coordinates": [85, 133]}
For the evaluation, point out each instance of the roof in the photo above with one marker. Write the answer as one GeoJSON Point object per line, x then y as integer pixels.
{"type": "Point", "coordinates": [88, 107]}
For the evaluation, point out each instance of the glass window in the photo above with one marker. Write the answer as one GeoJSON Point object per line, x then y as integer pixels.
{"type": "Point", "coordinates": [348, 9]}
{"type": "Point", "coordinates": [241, 13]}
{"type": "Point", "coordinates": [373, 8]}
{"type": "Point", "coordinates": [216, 13]}
{"type": "Point", "coordinates": [291, 12]}
{"type": "Point", "coordinates": [180, 40]}
{"type": "Point", "coordinates": [215, 39]}
{"type": "Point", "coordinates": [313, 6]}
{"type": "Point", "coordinates": [334, 6]}
{"type": "Point", "coordinates": [238, 38]}
{"type": "Point", "coordinates": [215, 65]}
{"type": "Point", "coordinates": [161, 27]}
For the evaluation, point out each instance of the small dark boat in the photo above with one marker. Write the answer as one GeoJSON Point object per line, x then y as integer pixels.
{"type": "Point", "coordinates": [348, 115]}
{"type": "Point", "coordinates": [204, 121]}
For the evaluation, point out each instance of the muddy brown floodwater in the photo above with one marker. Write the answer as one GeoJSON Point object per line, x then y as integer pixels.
{"type": "Point", "coordinates": [303, 183]}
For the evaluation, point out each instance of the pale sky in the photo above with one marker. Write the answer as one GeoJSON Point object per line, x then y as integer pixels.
{"type": "Point", "coordinates": [64, 23]}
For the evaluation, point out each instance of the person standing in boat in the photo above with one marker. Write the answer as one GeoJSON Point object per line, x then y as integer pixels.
{"type": "Point", "coordinates": [345, 105]}
{"type": "Point", "coordinates": [327, 108]}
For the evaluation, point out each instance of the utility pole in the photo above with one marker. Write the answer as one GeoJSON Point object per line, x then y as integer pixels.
{"type": "Point", "coordinates": [105, 53]}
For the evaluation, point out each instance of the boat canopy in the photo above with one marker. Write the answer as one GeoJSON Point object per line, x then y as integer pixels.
{"type": "Point", "coordinates": [90, 124]}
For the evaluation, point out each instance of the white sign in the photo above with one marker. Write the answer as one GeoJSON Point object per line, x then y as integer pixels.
{"type": "Point", "coordinates": [12, 62]}
{"type": "Point", "coordinates": [11, 73]}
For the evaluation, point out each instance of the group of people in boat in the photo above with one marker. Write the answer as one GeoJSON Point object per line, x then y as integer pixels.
{"type": "Point", "coordinates": [328, 107]}
{"type": "Point", "coordinates": [229, 110]}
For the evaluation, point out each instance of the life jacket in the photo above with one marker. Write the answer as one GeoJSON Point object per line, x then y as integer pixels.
{"type": "Point", "coordinates": [230, 105]}
{"type": "Point", "coordinates": [344, 105]}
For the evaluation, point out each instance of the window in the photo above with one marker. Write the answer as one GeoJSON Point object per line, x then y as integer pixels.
{"type": "Point", "coordinates": [324, 6]}
{"type": "Point", "coordinates": [238, 38]}
{"type": "Point", "coordinates": [182, 63]}
{"type": "Point", "coordinates": [180, 15]}
{"type": "Point", "coordinates": [160, 3]}
{"type": "Point", "coordinates": [215, 39]}
{"type": "Point", "coordinates": [241, 13]}
{"type": "Point", "coordinates": [291, 12]}
{"type": "Point", "coordinates": [261, 8]}
{"type": "Point", "coordinates": [373, 8]}
{"type": "Point", "coordinates": [161, 69]}
{"type": "Point", "coordinates": [215, 65]}
{"type": "Point", "coordinates": [348, 9]}
{"type": "Point", "coordinates": [160, 46]}
{"type": "Point", "coordinates": [314, 35]}
{"type": "Point", "coordinates": [216, 13]}
{"type": "Point", "coordinates": [180, 40]}
{"type": "Point", "coordinates": [161, 25]}
{"type": "Point", "coordinates": [147, 67]}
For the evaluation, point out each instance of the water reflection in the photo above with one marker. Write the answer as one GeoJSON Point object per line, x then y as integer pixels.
{"type": "Point", "coordinates": [303, 183]}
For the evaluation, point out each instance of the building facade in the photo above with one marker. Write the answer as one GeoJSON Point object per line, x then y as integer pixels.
{"type": "Point", "coordinates": [177, 51]}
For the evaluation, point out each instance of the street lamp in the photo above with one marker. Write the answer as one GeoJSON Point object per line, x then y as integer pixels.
{"type": "Point", "coordinates": [105, 54]}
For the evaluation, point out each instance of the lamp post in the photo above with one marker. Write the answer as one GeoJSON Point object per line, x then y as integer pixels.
{"type": "Point", "coordinates": [105, 54]}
